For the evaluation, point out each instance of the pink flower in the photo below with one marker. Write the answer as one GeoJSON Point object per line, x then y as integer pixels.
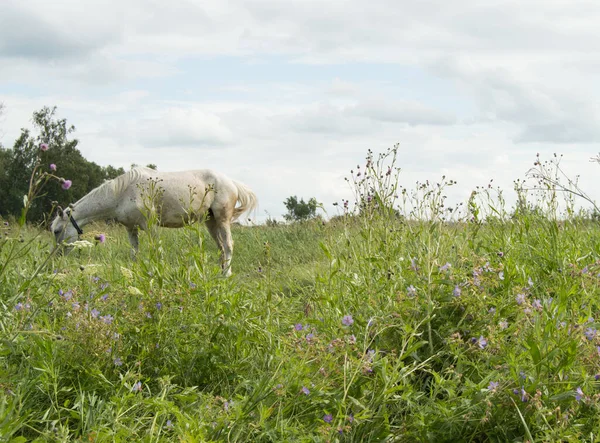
{"type": "Point", "coordinates": [44, 147]}
{"type": "Point", "coordinates": [52, 167]}
{"type": "Point", "coordinates": [67, 184]}
{"type": "Point", "coordinates": [100, 237]}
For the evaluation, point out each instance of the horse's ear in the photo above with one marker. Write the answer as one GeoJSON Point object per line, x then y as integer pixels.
{"type": "Point", "coordinates": [60, 211]}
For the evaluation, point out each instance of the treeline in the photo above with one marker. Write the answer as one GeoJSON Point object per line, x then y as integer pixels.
{"type": "Point", "coordinates": [55, 151]}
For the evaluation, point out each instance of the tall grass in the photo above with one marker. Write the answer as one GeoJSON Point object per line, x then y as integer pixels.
{"type": "Point", "coordinates": [398, 320]}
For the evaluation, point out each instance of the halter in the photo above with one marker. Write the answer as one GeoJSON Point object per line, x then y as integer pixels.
{"type": "Point", "coordinates": [75, 225]}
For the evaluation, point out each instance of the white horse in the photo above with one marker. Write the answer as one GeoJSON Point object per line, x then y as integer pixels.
{"type": "Point", "coordinates": [179, 198]}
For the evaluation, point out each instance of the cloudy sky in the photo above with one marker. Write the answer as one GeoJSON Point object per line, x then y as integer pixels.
{"type": "Point", "coordinates": [287, 96]}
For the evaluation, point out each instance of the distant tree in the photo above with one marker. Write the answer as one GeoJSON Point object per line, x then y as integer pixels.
{"type": "Point", "coordinates": [16, 166]}
{"type": "Point", "coordinates": [300, 210]}
{"type": "Point", "coordinates": [149, 165]}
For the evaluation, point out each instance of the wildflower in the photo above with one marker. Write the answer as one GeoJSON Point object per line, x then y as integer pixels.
{"type": "Point", "coordinates": [95, 313]}
{"type": "Point", "coordinates": [351, 418]}
{"type": "Point", "coordinates": [482, 342]}
{"type": "Point", "coordinates": [503, 324]}
{"type": "Point", "coordinates": [523, 375]}
{"type": "Point", "coordinates": [66, 184]}
{"type": "Point", "coordinates": [137, 387]}
{"type": "Point", "coordinates": [389, 171]}
{"type": "Point", "coordinates": [67, 295]}
{"type": "Point", "coordinates": [158, 305]}
{"type": "Point", "coordinates": [52, 167]}
{"type": "Point", "coordinates": [347, 320]}
{"type": "Point", "coordinates": [104, 297]}
{"type": "Point", "coordinates": [445, 267]}
{"type": "Point", "coordinates": [169, 424]}
{"type": "Point", "coordinates": [108, 319]}
{"type": "Point", "coordinates": [590, 333]}
{"type": "Point", "coordinates": [579, 395]}
{"type": "Point", "coordinates": [412, 291]}
{"type": "Point", "coordinates": [352, 339]}
{"type": "Point", "coordinates": [585, 270]}
{"type": "Point", "coordinates": [501, 275]}
{"type": "Point", "coordinates": [19, 307]}
{"type": "Point", "coordinates": [500, 254]}
{"type": "Point", "coordinates": [530, 282]}
{"type": "Point", "coordinates": [100, 238]}
{"type": "Point", "coordinates": [457, 291]}
{"type": "Point", "coordinates": [328, 418]}
{"type": "Point", "coordinates": [310, 336]}
{"type": "Point", "coordinates": [597, 377]}
{"type": "Point", "coordinates": [537, 304]}
{"type": "Point", "coordinates": [305, 390]}
{"type": "Point", "coordinates": [44, 147]}
{"type": "Point", "coordinates": [118, 361]}
{"type": "Point", "coordinates": [523, 395]}
{"type": "Point", "coordinates": [492, 310]}
{"type": "Point", "coordinates": [520, 299]}
{"type": "Point", "coordinates": [75, 305]}
{"type": "Point", "coordinates": [298, 326]}
{"type": "Point", "coordinates": [413, 264]}
{"type": "Point", "coordinates": [493, 386]}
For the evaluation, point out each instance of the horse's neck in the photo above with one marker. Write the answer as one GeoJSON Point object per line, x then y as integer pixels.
{"type": "Point", "coordinates": [94, 207]}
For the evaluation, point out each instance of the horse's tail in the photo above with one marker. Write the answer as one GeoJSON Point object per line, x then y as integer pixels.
{"type": "Point", "coordinates": [246, 198]}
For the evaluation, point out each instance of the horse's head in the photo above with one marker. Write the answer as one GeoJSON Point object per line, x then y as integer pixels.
{"type": "Point", "coordinates": [63, 230]}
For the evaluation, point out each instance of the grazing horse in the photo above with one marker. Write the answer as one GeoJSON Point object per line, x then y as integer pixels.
{"type": "Point", "coordinates": [177, 197]}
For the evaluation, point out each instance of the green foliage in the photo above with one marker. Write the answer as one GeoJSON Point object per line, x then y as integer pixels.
{"type": "Point", "coordinates": [17, 165]}
{"type": "Point", "coordinates": [300, 210]}
{"type": "Point", "coordinates": [374, 327]}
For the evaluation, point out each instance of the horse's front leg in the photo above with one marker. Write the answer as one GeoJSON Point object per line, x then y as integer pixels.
{"type": "Point", "coordinates": [133, 240]}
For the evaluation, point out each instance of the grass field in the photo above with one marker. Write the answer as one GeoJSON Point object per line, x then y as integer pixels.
{"type": "Point", "coordinates": [370, 327]}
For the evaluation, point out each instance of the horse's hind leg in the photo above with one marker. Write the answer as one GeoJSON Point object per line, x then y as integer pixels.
{"type": "Point", "coordinates": [221, 233]}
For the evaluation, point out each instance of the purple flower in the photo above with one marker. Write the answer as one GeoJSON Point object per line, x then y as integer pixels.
{"type": "Point", "coordinates": [95, 313]}
{"type": "Point", "coordinates": [100, 238]}
{"type": "Point", "coordinates": [523, 395]}
{"type": "Point", "coordinates": [412, 291]}
{"type": "Point", "coordinates": [457, 291]}
{"type": "Point", "coordinates": [158, 305]}
{"type": "Point", "coordinates": [590, 333]}
{"type": "Point", "coordinates": [66, 184]}
{"type": "Point", "coordinates": [104, 297]}
{"type": "Point", "coordinates": [520, 299]}
{"type": "Point", "coordinates": [310, 336]}
{"type": "Point", "coordinates": [537, 304]}
{"type": "Point", "coordinates": [305, 390]}
{"type": "Point", "coordinates": [108, 319]}
{"type": "Point", "coordinates": [445, 267]}
{"type": "Point", "coordinates": [352, 339]}
{"type": "Point", "coordinates": [118, 361]}
{"type": "Point", "coordinates": [169, 424]}
{"type": "Point", "coordinates": [492, 310]}
{"type": "Point", "coordinates": [347, 320]}
{"type": "Point", "coordinates": [19, 307]}
{"type": "Point", "coordinates": [493, 386]}
{"type": "Point", "coordinates": [52, 167]}
{"type": "Point", "coordinates": [579, 395]}
{"type": "Point", "coordinates": [44, 147]}
{"type": "Point", "coordinates": [298, 326]}
{"type": "Point", "coordinates": [137, 387]}
{"type": "Point", "coordinates": [482, 342]}
{"type": "Point", "coordinates": [67, 295]}
{"type": "Point", "coordinates": [328, 418]}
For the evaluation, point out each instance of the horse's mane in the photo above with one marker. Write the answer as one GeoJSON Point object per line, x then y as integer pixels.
{"type": "Point", "coordinates": [115, 187]}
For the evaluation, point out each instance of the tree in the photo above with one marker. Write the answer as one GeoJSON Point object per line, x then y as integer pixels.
{"type": "Point", "coordinates": [300, 210]}
{"type": "Point", "coordinates": [17, 165]}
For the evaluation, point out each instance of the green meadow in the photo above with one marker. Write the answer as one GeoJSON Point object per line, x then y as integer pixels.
{"type": "Point", "coordinates": [398, 320]}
